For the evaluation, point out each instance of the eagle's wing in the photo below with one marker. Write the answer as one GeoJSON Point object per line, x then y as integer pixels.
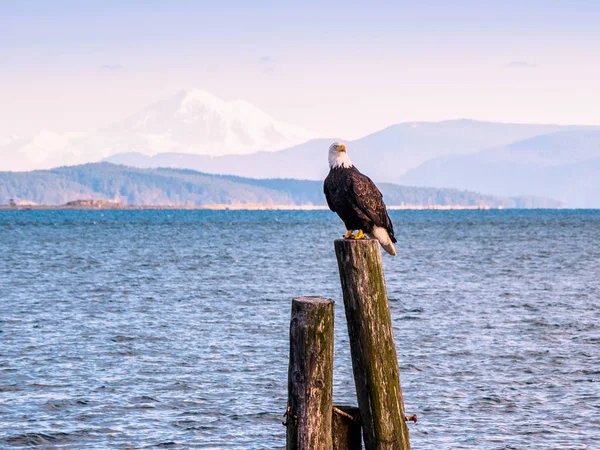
{"type": "Point", "coordinates": [370, 200]}
{"type": "Point", "coordinates": [328, 194]}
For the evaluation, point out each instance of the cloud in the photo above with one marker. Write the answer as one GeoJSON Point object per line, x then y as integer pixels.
{"type": "Point", "coordinates": [112, 67]}
{"type": "Point", "coordinates": [521, 65]}
{"type": "Point", "coordinates": [268, 60]}
{"type": "Point", "coordinates": [268, 64]}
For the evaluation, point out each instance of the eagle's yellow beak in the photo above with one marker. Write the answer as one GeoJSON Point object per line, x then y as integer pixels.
{"type": "Point", "coordinates": [342, 148]}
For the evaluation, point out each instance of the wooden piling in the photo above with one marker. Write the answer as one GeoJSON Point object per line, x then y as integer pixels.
{"type": "Point", "coordinates": [374, 358]}
{"type": "Point", "coordinates": [310, 375]}
{"type": "Point", "coordinates": [346, 428]}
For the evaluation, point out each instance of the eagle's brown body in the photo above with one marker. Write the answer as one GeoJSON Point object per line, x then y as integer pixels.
{"type": "Point", "coordinates": [356, 199]}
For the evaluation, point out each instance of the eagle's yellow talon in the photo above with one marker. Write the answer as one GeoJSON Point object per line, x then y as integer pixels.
{"type": "Point", "coordinates": [359, 235]}
{"type": "Point", "coordinates": [348, 235]}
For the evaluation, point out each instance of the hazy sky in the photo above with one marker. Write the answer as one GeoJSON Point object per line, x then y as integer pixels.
{"type": "Point", "coordinates": [339, 68]}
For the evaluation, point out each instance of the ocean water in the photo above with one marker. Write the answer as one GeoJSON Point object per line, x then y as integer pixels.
{"type": "Point", "coordinates": [145, 329]}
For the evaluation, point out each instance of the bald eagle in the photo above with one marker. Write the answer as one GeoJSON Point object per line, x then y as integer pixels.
{"type": "Point", "coordinates": [356, 199]}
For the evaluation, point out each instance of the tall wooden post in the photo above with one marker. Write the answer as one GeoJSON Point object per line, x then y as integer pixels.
{"type": "Point", "coordinates": [374, 359]}
{"type": "Point", "coordinates": [310, 375]}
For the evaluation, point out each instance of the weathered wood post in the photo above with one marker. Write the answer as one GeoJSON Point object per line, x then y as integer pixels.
{"type": "Point", "coordinates": [346, 428]}
{"type": "Point", "coordinates": [374, 359]}
{"type": "Point", "coordinates": [310, 375]}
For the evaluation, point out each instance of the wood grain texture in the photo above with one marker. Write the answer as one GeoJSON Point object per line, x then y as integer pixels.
{"type": "Point", "coordinates": [310, 375]}
{"type": "Point", "coordinates": [346, 428]}
{"type": "Point", "coordinates": [374, 359]}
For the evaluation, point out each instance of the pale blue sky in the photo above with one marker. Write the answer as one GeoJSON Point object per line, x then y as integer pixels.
{"type": "Point", "coordinates": [339, 68]}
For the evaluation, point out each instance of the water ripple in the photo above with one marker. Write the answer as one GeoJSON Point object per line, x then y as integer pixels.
{"type": "Point", "coordinates": [146, 329]}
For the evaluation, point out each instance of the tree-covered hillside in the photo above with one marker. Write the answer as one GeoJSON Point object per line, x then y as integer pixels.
{"type": "Point", "coordinates": [132, 186]}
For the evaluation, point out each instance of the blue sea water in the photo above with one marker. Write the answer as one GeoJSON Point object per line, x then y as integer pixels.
{"type": "Point", "coordinates": [145, 329]}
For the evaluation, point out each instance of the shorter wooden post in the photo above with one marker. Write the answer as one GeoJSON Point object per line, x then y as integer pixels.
{"type": "Point", "coordinates": [346, 428]}
{"type": "Point", "coordinates": [310, 375]}
{"type": "Point", "coordinates": [374, 359]}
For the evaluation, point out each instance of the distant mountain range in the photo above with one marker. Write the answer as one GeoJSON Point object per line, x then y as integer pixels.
{"type": "Point", "coordinates": [384, 155]}
{"type": "Point", "coordinates": [192, 121]}
{"type": "Point", "coordinates": [496, 159]}
{"type": "Point", "coordinates": [564, 165]}
{"type": "Point", "coordinates": [196, 130]}
{"type": "Point", "coordinates": [134, 186]}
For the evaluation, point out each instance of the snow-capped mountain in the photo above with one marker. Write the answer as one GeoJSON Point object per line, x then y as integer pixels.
{"type": "Point", "coordinates": [198, 122]}
{"type": "Point", "coordinates": [193, 122]}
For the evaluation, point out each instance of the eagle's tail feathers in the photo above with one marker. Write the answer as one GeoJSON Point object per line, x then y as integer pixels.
{"type": "Point", "coordinates": [383, 237]}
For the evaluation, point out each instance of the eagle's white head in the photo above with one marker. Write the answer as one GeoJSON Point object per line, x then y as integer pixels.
{"type": "Point", "coordinates": [338, 156]}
